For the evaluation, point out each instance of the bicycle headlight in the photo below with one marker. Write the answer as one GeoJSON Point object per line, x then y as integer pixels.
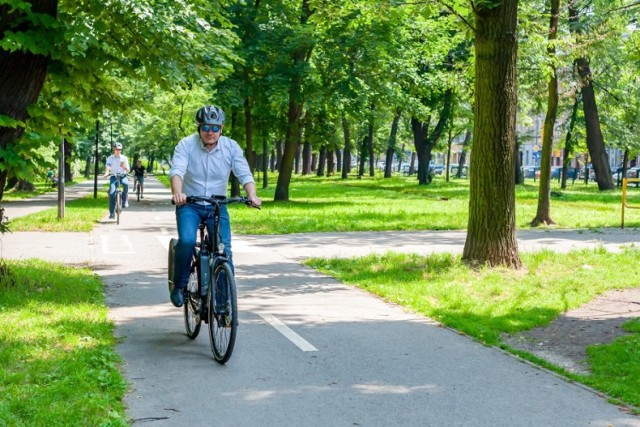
{"type": "Point", "coordinates": [221, 248]}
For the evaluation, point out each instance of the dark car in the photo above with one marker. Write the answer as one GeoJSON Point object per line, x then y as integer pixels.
{"type": "Point", "coordinates": [529, 171]}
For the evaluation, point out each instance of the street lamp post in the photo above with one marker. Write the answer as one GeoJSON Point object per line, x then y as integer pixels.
{"type": "Point", "coordinates": [95, 175]}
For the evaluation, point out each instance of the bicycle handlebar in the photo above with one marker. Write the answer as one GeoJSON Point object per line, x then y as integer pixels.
{"type": "Point", "coordinates": [219, 200]}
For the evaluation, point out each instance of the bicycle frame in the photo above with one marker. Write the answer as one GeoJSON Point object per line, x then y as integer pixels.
{"type": "Point", "coordinates": [211, 292]}
{"type": "Point", "coordinates": [118, 194]}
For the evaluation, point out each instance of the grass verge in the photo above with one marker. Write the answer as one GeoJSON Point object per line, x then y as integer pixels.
{"type": "Point", "coordinates": [79, 215]}
{"type": "Point", "coordinates": [57, 352]}
{"type": "Point", "coordinates": [487, 302]}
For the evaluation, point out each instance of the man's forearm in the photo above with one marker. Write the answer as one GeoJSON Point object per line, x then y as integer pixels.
{"type": "Point", "coordinates": [250, 189]}
{"type": "Point", "coordinates": [176, 185]}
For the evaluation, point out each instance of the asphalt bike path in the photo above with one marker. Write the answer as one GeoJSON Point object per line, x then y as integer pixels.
{"type": "Point", "coordinates": [310, 351]}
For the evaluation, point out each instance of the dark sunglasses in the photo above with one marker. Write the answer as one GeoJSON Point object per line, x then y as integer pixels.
{"type": "Point", "coordinates": [212, 128]}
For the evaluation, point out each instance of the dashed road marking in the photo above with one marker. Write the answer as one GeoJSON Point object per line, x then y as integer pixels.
{"type": "Point", "coordinates": [300, 342]}
{"type": "Point", "coordinates": [116, 244]}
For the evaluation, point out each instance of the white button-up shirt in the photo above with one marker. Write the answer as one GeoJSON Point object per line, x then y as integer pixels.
{"type": "Point", "coordinates": [206, 173]}
{"type": "Point", "coordinates": [114, 163]}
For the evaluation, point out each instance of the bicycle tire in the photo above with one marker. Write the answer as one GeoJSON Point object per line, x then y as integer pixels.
{"type": "Point", "coordinates": [193, 302]}
{"type": "Point", "coordinates": [170, 257]}
{"type": "Point", "coordinates": [138, 191]}
{"type": "Point", "coordinates": [118, 206]}
{"type": "Point", "coordinates": [222, 317]}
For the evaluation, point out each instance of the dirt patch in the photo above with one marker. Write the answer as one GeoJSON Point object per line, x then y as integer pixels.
{"type": "Point", "coordinates": [564, 341]}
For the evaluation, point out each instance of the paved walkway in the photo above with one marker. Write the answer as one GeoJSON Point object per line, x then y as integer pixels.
{"type": "Point", "coordinates": [310, 351]}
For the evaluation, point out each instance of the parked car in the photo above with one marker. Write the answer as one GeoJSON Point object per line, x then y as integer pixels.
{"type": "Point", "coordinates": [530, 171]}
{"type": "Point", "coordinates": [583, 171]}
{"type": "Point", "coordinates": [437, 169]}
{"type": "Point", "coordinates": [633, 172]}
{"type": "Point", "coordinates": [453, 171]}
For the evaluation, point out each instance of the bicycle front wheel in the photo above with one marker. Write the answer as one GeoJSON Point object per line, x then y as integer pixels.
{"type": "Point", "coordinates": [193, 303]}
{"type": "Point", "coordinates": [222, 311]}
{"type": "Point", "coordinates": [118, 206]}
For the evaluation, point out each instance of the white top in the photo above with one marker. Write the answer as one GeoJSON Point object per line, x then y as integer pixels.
{"type": "Point", "coordinates": [206, 173]}
{"type": "Point", "coordinates": [114, 163]}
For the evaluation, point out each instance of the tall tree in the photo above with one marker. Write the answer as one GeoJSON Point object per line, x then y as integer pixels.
{"type": "Point", "coordinates": [543, 214]}
{"type": "Point", "coordinates": [75, 58]}
{"type": "Point", "coordinates": [491, 233]}
{"type": "Point", "coordinates": [595, 140]}
{"type": "Point", "coordinates": [23, 69]}
{"type": "Point", "coordinates": [300, 59]}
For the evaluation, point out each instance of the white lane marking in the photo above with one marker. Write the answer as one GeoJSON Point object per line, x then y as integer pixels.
{"type": "Point", "coordinates": [116, 244]}
{"type": "Point", "coordinates": [300, 342]}
{"type": "Point", "coordinates": [164, 230]}
{"type": "Point", "coordinates": [164, 241]}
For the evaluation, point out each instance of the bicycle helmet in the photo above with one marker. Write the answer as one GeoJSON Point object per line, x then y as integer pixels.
{"type": "Point", "coordinates": [210, 115]}
{"type": "Point", "coordinates": [118, 146]}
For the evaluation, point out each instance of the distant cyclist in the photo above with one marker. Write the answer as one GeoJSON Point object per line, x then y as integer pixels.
{"type": "Point", "coordinates": [139, 172]}
{"type": "Point", "coordinates": [117, 163]}
{"type": "Point", "coordinates": [202, 164]}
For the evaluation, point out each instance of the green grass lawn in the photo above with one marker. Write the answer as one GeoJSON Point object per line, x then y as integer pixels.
{"type": "Point", "coordinates": [399, 203]}
{"type": "Point", "coordinates": [57, 352]}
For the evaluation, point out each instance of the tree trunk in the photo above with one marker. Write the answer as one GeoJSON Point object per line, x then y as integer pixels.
{"type": "Point", "coordinates": [346, 158]}
{"type": "Point", "coordinates": [423, 149]}
{"type": "Point", "coordinates": [391, 145]}
{"type": "Point", "coordinates": [265, 162]}
{"type": "Point", "coordinates": [463, 156]}
{"type": "Point", "coordinates": [517, 164]}
{"type": "Point", "coordinates": [306, 158]}
{"type": "Point", "coordinates": [543, 214]}
{"type": "Point", "coordinates": [248, 124]}
{"type": "Point", "coordinates": [363, 156]}
{"type": "Point", "coordinates": [595, 141]}
{"type": "Point", "coordinates": [568, 144]}
{"type": "Point", "coordinates": [330, 162]}
{"type": "Point", "coordinates": [22, 75]}
{"type": "Point", "coordinates": [424, 141]}
{"type": "Point", "coordinates": [322, 159]}
{"type": "Point", "coordinates": [491, 234]}
{"type": "Point", "coordinates": [370, 150]}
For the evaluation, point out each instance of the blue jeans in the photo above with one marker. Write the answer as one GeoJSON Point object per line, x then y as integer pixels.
{"type": "Point", "coordinates": [188, 219]}
{"type": "Point", "coordinates": [112, 192]}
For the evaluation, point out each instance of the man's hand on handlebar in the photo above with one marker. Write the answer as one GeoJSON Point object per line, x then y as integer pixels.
{"type": "Point", "coordinates": [179, 199]}
{"type": "Point", "coordinates": [255, 201]}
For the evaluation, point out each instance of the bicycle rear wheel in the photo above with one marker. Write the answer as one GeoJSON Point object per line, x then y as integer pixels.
{"type": "Point", "coordinates": [118, 206]}
{"type": "Point", "coordinates": [222, 313]}
{"type": "Point", "coordinates": [193, 303]}
{"type": "Point", "coordinates": [172, 251]}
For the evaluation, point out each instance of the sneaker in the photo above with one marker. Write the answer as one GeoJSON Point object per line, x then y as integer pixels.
{"type": "Point", "coordinates": [126, 204]}
{"type": "Point", "coordinates": [112, 216]}
{"type": "Point", "coordinates": [177, 298]}
{"type": "Point", "coordinates": [141, 196]}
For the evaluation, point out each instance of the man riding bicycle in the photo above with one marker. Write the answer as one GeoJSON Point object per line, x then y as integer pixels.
{"type": "Point", "coordinates": [139, 172]}
{"type": "Point", "coordinates": [117, 163]}
{"type": "Point", "coordinates": [202, 164]}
